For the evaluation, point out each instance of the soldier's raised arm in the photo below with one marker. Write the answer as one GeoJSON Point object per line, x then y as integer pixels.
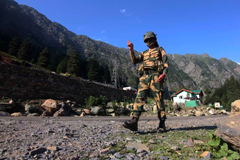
{"type": "Point", "coordinates": [134, 59]}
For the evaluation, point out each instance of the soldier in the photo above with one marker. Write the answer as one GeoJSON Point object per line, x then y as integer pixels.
{"type": "Point", "coordinates": [155, 68]}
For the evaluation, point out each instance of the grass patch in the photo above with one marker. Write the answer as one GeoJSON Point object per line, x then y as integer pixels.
{"type": "Point", "coordinates": [165, 142]}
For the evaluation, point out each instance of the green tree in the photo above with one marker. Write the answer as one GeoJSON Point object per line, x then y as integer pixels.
{"type": "Point", "coordinates": [70, 50]}
{"type": "Point", "coordinates": [14, 46]}
{"type": "Point", "coordinates": [62, 66]}
{"type": "Point", "coordinates": [73, 65]}
{"type": "Point", "coordinates": [207, 91]}
{"type": "Point", "coordinates": [93, 70]}
{"type": "Point", "coordinates": [44, 58]}
{"type": "Point", "coordinates": [106, 76]}
{"type": "Point", "coordinates": [133, 80]}
{"type": "Point", "coordinates": [25, 50]}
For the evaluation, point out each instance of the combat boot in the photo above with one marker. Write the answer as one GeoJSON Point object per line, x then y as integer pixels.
{"type": "Point", "coordinates": [131, 124]}
{"type": "Point", "coordinates": [161, 127]}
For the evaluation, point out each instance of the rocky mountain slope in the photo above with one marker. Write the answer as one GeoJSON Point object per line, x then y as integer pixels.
{"type": "Point", "coordinates": [188, 71]}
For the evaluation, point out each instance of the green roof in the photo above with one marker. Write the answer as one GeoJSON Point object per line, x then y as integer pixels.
{"type": "Point", "coordinates": [196, 91]}
{"type": "Point", "coordinates": [173, 94]}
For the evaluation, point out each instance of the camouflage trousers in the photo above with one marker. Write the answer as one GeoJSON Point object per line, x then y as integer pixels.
{"type": "Point", "coordinates": [148, 83]}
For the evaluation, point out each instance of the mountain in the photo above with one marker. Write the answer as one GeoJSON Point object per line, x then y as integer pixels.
{"type": "Point", "coordinates": [188, 71]}
{"type": "Point", "coordinates": [200, 71]}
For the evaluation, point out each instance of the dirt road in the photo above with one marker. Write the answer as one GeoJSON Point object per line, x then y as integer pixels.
{"type": "Point", "coordinates": [107, 118]}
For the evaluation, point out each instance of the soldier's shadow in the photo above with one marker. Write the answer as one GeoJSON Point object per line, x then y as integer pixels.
{"type": "Point", "coordinates": [178, 129]}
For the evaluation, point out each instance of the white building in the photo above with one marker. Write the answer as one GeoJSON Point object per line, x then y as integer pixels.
{"type": "Point", "coordinates": [184, 95]}
{"type": "Point", "coordinates": [130, 89]}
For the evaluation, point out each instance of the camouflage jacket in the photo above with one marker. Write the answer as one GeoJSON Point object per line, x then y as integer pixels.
{"type": "Point", "coordinates": [153, 59]}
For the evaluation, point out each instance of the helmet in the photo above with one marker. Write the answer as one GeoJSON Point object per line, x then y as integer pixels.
{"type": "Point", "coordinates": [148, 35]}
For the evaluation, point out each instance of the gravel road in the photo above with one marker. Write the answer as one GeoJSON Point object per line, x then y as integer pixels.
{"type": "Point", "coordinates": [67, 137]}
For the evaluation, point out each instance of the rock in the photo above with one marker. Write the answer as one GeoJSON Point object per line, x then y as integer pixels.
{"type": "Point", "coordinates": [32, 109]}
{"type": "Point", "coordinates": [105, 151]}
{"type": "Point", "coordinates": [190, 143]}
{"type": "Point", "coordinates": [65, 110]}
{"type": "Point", "coordinates": [235, 107]}
{"type": "Point", "coordinates": [86, 111]}
{"type": "Point", "coordinates": [33, 114]}
{"type": "Point", "coordinates": [47, 113]}
{"type": "Point", "coordinates": [4, 113]}
{"type": "Point", "coordinates": [199, 113]}
{"type": "Point", "coordinates": [206, 155]}
{"type": "Point", "coordinates": [176, 107]}
{"type": "Point", "coordinates": [178, 115]}
{"type": "Point", "coordinates": [224, 112]}
{"type": "Point", "coordinates": [117, 155]}
{"type": "Point", "coordinates": [38, 151]}
{"type": "Point", "coordinates": [175, 148]}
{"type": "Point", "coordinates": [120, 110]}
{"type": "Point", "coordinates": [113, 114]}
{"type": "Point", "coordinates": [151, 141]}
{"type": "Point", "coordinates": [138, 146]}
{"type": "Point", "coordinates": [83, 114]}
{"type": "Point", "coordinates": [110, 110]}
{"type": "Point", "coordinates": [229, 130]}
{"type": "Point", "coordinates": [50, 105]}
{"type": "Point", "coordinates": [53, 148]}
{"type": "Point", "coordinates": [16, 114]}
{"type": "Point", "coordinates": [129, 106]}
{"type": "Point", "coordinates": [97, 110]}
{"type": "Point", "coordinates": [13, 102]}
{"type": "Point", "coordinates": [78, 111]}
{"type": "Point", "coordinates": [110, 105]}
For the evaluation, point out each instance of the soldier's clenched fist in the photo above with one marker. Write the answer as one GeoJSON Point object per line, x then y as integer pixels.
{"type": "Point", "coordinates": [130, 45]}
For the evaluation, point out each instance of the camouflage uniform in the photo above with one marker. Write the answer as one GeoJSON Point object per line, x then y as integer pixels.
{"type": "Point", "coordinates": [153, 66]}
{"type": "Point", "coordinates": [154, 63]}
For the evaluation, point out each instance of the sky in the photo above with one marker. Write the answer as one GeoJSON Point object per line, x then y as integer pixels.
{"type": "Point", "coordinates": [182, 26]}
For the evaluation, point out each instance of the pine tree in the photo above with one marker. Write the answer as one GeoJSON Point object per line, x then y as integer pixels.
{"type": "Point", "coordinates": [73, 65]}
{"type": "Point", "coordinates": [70, 50]}
{"type": "Point", "coordinates": [106, 76]}
{"type": "Point", "coordinates": [14, 46]}
{"type": "Point", "coordinates": [93, 69]}
{"type": "Point", "coordinates": [44, 58]}
{"type": "Point", "coordinates": [207, 91]}
{"type": "Point", "coordinates": [62, 66]}
{"type": "Point", "coordinates": [25, 50]}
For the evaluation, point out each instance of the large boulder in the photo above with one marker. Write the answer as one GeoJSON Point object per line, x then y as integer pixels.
{"type": "Point", "coordinates": [229, 131]}
{"type": "Point", "coordinates": [97, 110]}
{"type": "Point", "coordinates": [50, 105]}
{"type": "Point", "coordinates": [235, 107]}
{"type": "Point", "coordinates": [65, 110]}
{"type": "Point", "coordinates": [199, 113]}
{"type": "Point", "coordinates": [29, 108]}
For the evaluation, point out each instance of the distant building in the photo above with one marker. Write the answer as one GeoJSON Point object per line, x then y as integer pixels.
{"type": "Point", "coordinates": [183, 95]}
{"type": "Point", "coordinates": [131, 89]}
